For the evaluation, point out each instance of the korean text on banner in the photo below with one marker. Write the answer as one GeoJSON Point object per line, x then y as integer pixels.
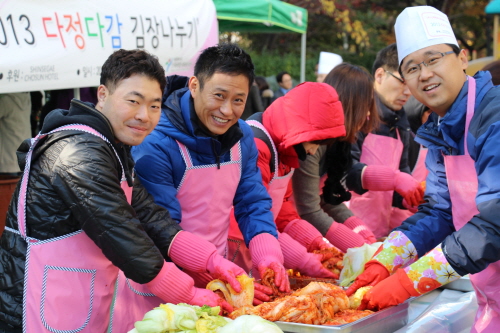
{"type": "Point", "coordinates": [55, 44]}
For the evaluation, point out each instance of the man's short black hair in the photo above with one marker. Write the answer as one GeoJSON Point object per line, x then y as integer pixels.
{"type": "Point", "coordinates": [224, 58]}
{"type": "Point", "coordinates": [122, 64]}
{"type": "Point", "coordinates": [387, 58]}
{"type": "Point", "coordinates": [455, 48]}
{"type": "Point", "coordinates": [279, 77]}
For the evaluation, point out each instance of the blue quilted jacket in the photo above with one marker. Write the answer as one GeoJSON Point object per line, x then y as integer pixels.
{"type": "Point", "coordinates": [160, 166]}
{"type": "Point", "coordinates": [477, 244]}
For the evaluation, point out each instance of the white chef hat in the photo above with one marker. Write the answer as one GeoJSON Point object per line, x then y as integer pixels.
{"type": "Point", "coordinates": [419, 27]}
{"type": "Point", "coordinates": [327, 61]}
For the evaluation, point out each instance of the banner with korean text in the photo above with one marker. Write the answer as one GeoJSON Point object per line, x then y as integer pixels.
{"type": "Point", "coordinates": [54, 44]}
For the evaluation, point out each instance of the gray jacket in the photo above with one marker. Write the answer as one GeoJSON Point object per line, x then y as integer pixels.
{"type": "Point", "coordinates": [310, 205]}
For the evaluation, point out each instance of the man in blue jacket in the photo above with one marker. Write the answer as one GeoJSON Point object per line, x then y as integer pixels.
{"type": "Point", "coordinates": [201, 160]}
{"type": "Point", "coordinates": [85, 246]}
{"type": "Point", "coordinates": [457, 230]}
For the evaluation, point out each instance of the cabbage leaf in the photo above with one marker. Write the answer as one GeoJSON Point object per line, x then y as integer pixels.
{"type": "Point", "coordinates": [354, 262]}
{"type": "Point", "coordinates": [250, 324]}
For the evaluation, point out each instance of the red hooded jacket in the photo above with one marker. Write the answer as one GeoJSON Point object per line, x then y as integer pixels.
{"type": "Point", "coordinates": [309, 112]}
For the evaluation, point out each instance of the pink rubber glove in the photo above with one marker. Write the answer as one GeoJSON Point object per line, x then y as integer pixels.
{"type": "Point", "coordinates": [200, 279]}
{"type": "Point", "coordinates": [343, 238]}
{"type": "Point", "coordinates": [225, 270]}
{"type": "Point", "coordinates": [184, 290]}
{"type": "Point", "coordinates": [198, 255]}
{"type": "Point", "coordinates": [306, 234]}
{"type": "Point", "coordinates": [383, 178]}
{"type": "Point", "coordinates": [356, 224]}
{"type": "Point", "coordinates": [409, 188]}
{"type": "Point", "coordinates": [412, 209]}
{"type": "Point", "coordinates": [320, 244]}
{"type": "Point", "coordinates": [207, 297]}
{"type": "Point", "coordinates": [297, 257]}
{"type": "Point", "coordinates": [261, 293]}
{"type": "Point", "coordinates": [266, 253]}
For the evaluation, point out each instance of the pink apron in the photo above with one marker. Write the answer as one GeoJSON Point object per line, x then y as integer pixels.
{"type": "Point", "coordinates": [131, 301]}
{"type": "Point", "coordinates": [206, 194]}
{"type": "Point", "coordinates": [462, 184]}
{"type": "Point", "coordinates": [375, 207]}
{"type": "Point", "coordinates": [419, 171]}
{"type": "Point", "coordinates": [68, 281]}
{"type": "Point", "coordinates": [237, 250]}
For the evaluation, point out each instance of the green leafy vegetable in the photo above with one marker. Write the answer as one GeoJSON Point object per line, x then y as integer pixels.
{"type": "Point", "coordinates": [211, 311]}
{"type": "Point", "coordinates": [154, 321]}
{"type": "Point", "coordinates": [181, 318]}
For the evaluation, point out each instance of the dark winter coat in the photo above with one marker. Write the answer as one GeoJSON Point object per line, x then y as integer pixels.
{"type": "Point", "coordinates": [74, 184]}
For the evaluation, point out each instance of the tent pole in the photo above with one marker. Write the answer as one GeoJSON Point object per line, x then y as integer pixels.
{"type": "Point", "coordinates": [76, 93]}
{"type": "Point", "coordinates": [496, 54]}
{"type": "Point", "coordinates": [303, 58]}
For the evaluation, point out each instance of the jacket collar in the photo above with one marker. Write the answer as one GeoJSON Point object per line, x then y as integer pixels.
{"type": "Point", "coordinates": [392, 118]}
{"type": "Point", "coordinates": [79, 113]}
{"type": "Point", "coordinates": [84, 113]}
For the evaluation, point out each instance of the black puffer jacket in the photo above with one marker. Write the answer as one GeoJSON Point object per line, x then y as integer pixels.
{"type": "Point", "coordinates": [391, 120]}
{"type": "Point", "coordinates": [74, 185]}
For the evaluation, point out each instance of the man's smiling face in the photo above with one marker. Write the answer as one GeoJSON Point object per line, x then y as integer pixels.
{"type": "Point", "coordinates": [133, 107]}
{"type": "Point", "coordinates": [221, 101]}
{"type": "Point", "coordinates": [439, 86]}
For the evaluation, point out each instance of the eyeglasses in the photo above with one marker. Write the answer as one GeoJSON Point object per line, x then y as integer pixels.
{"type": "Point", "coordinates": [394, 76]}
{"type": "Point", "coordinates": [430, 62]}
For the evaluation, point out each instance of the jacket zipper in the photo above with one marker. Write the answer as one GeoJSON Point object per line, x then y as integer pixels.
{"type": "Point", "coordinates": [217, 156]}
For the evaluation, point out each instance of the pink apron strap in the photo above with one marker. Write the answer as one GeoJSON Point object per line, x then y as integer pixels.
{"type": "Point", "coordinates": [258, 125]}
{"type": "Point", "coordinates": [21, 206]}
{"type": "Point", "coordinates": [185, 155]}
{"type": "Point", "coordinates": [471, 96]}
{"type": "Point", "coordinates": [235, 152]}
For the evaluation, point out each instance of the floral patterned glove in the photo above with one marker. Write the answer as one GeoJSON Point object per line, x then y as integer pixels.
{"type": "Point", "coordinates": [428, 273]}
{"type": "Point", "coordinates": [431, 271]}
{"type": "Point", "coordinates": [396, 251]}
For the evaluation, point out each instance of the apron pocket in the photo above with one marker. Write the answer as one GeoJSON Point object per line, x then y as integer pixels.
{"type": "Point", "coordinates": [67, 298]}
{"type": "Point", "coordinates": [139, 289]}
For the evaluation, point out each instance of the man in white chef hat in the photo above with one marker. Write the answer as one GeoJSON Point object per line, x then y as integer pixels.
{"type": "Point", "coordinates": [457, 230]}
{"type": "Point", "coordinates": [327, 61]}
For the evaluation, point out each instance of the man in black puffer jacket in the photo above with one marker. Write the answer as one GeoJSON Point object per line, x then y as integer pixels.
{"type": "Point", "coordinates": [82, 205]}
{"type": "Point", "coordinates": [385, 192]}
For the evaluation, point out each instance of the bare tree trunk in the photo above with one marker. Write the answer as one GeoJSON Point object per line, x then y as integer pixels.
{"type": "Point", "coordinates": [443, 5]}
{"type": "Point", "coordinates": [270, 43]}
